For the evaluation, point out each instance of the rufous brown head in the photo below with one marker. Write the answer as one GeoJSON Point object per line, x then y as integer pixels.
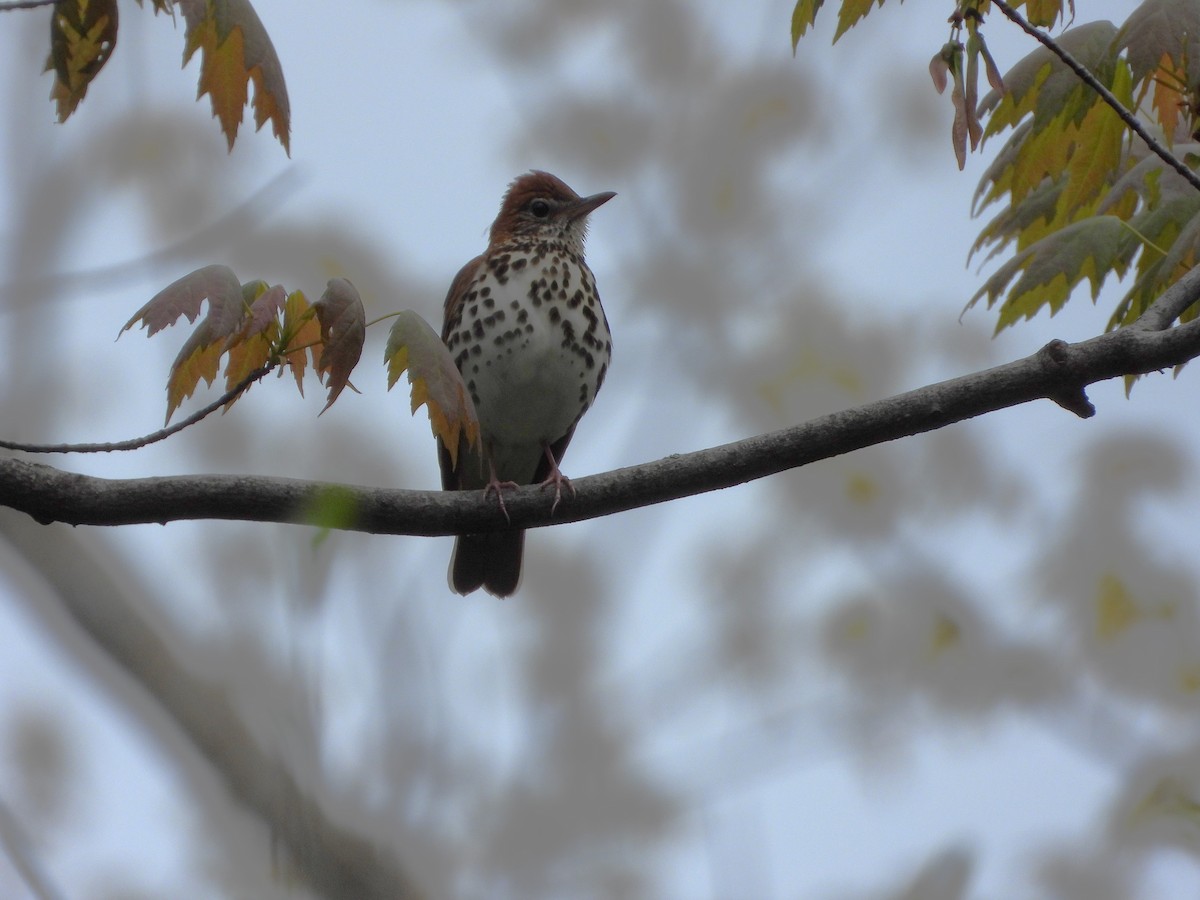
{"type": "Point", "coordinates": [541, 205]}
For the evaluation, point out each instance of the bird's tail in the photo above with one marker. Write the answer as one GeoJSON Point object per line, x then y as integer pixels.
{"type": "Point", "coordinates": [491, 561]}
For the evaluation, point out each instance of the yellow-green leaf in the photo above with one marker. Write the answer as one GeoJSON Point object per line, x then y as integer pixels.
{"type": "Point", "coordinates": [850, 13]}
{"type": "Point", "coordinates": [1095, 154]}
{"type": "Point", "coordinates": [1051, 268]}
{"type": "Point", "coordinates": [803, 16]}
{"type": "Point", "coordinates": [300, 336]}
{"type": "Point", "coordinates": [414, 346]}
{"type": "Point", "coordinates": [1043, 12]}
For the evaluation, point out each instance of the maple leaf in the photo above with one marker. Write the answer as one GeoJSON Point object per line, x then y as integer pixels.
{"type": "Point", "coordinates": [1079, 158]}
{"type": "Point", "coordinates": [1095, 156]}
{"type": "Point", "coordinates": [804, 13]}
{"type": "Point", "coordinates": [1073, 180]}
{"type": "Point", "coordinates": [1025, 222]}
{"type": "Point", "coordinates": [200, 354]}
{"type": "Point", "coordinates": [1044, 12]}
{"type": "Point", "coordinates": [263, 304]}
{"type": "Point", "coordinates": [183, 297]}
{"type": "Point", "coordinates": [803, 16]}
{"type": "Point", "coordinates": [1151, 179]}
{"type": "Point", "coordinates": [414, 346]}
{"type": "Point", "coordinates": [343, 324]}
{"type": "Point", "coordinates": [1169, 231]}
{"type": "Point", "coordinates": [1161, 40]}
{"type": "Point", "coordinates": [1169, 99]}
{"type": "Point", "coordinates": [235, 50]}
{"type": "Point", "coordinates": [254, 344]}
{"type": "Point", "coordinates": [259, 327]}
{"type": "Point", "coordinates": [1158, 27]}
{"type": "Point", "coordinates": [1042, 84]}
{"type": "Point", "coordinates": [300, 335]}
{"type": "Point", "coordinates": [1043, 154]}
{"type": "Point", "coordinates": [83, 34]}
{"type": "Point", "coordinates": [850, 13]}
{"type": "Point", "coordinates": [1052, 267]}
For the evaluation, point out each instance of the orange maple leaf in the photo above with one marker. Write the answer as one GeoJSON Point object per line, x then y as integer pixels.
{"type": "Point", "coordinates": [235, 50]}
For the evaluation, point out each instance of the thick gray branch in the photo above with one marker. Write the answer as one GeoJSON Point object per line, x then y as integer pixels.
{"type": "Point", "coordinates": [1059, 372]}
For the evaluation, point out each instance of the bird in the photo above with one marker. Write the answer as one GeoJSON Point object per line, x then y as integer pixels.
{"type": "Point", "coordinates": [524, 325]}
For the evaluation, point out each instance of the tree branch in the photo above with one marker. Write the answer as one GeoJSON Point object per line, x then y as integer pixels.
{"type": "Point", "coordinates": [10, 5]}
{"type": "Point", "coordinates": [1059, 372]}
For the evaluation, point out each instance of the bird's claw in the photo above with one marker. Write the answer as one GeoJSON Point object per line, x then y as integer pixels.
{"type": "Point", "coordinates": [494, 486]}
{"type": "Point", "coordinates": [558, 479]}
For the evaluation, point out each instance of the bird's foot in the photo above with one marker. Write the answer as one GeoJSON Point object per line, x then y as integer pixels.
{"type": "Point", "coordinates": [557, 479]}
{"type": "Point", "coordinates": [497, 487]}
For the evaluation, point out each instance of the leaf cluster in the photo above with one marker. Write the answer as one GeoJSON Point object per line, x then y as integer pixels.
{"type": "Point", "coordinates": [1075, 193]}
{"type": "Point", "coordinates": [234, 48]}
{"type": "Point", "coordinates": [1079, 195]}
{"type": "Point", "coordinates": [253, 328]}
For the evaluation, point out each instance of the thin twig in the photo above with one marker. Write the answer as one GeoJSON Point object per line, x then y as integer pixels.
{"type": "Point", "coordinates": [1105, 94]}
{"type": "Point", "coordinates": [25, 4]}
{"type": "Point", "coordinates": [137, 443]}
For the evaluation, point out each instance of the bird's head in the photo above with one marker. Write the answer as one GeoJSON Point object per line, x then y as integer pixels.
{"type": "Point", "coordinates": [539, 205]}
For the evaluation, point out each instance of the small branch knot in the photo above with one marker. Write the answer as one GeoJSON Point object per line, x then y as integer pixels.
{"type": "Point", "coordinates": [1068, 388]}
{"type": "Point", "coordinates": [1058, 351]}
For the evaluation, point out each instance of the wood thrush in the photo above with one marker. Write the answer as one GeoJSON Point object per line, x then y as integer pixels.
{"type": "Point", "coordinates": [524, 324]}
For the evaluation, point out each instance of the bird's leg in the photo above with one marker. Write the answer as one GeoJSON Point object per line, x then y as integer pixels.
{"type": "Point", "coordinates": [498, 487]}
{"type": "Point", "coordinates": [556, 478]}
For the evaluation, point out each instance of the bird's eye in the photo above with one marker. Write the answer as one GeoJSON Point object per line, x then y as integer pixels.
{"type": "Point", "coordinates": [540, 208]}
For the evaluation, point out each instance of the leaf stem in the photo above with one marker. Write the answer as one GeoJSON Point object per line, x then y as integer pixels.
{"type": "Point", "coordinates": [1145, 240]}
{"type": "Point", "coordinates": [390, 315]}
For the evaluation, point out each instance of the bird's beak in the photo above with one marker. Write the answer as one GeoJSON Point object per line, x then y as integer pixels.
{"type": "Point", "coordinates": [585, 205]}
